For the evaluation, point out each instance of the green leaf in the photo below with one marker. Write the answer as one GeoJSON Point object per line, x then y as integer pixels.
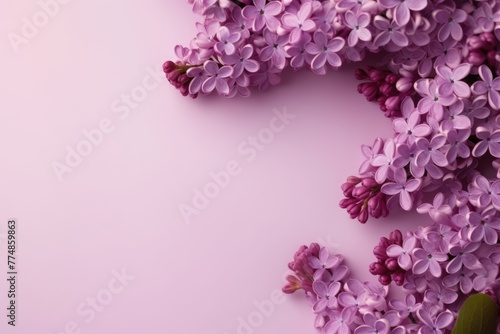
{"type": "Point", "coordinates": [478, 315]}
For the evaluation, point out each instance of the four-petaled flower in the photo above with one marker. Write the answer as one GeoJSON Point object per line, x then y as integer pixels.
{"type": "Point", "coordinates": [216, 77]}
{"type": "Point", "coordinates": [403, 253]}
{"type": "Point", "coordinates": [411, 128]}
{"type": "Point", "coordinates": [322, 262]}
{"type": "Point", "coordinates": [431, 150]}
{"type": "Point", "coordinates": [402, 8]}
{"type": "Point", "coordinates": [299, 23]}
{"type": "Point", "coordinates": [389, 32]}
{"type": "Point", "coordinates": [452, 80]}
{"type": "Point", "coordinates": [428, 259]}
{"type": "Point", "coordinates": [373, 325]}
{"type": "Point", "coordinates": [242, 60]}
{"type": "Point", "coordinates": [434, 325]}
{"type": "Point", "coordinates": [488, 86]}
{"type": "Point", "coordinates": [405, 308]}
{"type": "Point", "coordinates": [274, 51]}
{"type": "Point", "coordinates": [482, 192]}
{"type": "Point", "coordinates": [227, 40]}
{"type": "Point", "coordinates": [489, 141]}
{"type": "Point", "coordinates": [450, 23]}
{"type": "Point", "coordinates": [384, 161]}
{"type": "Point", "coordinates": [432, 100]}
{"type": "Point", "coordinates": [484, 227]}
{"type": "Point", "coordinates": [402, 187]}
{"type": "Point", "coordinates": [358, 23]}
{"type": "Point", "coordinates": [324, 50]}
{"type": "Point", "coordinates": [263, 14]}
{"type": "Point", "coordinates": [325, 295]}
{"type": "Point", "coordinates": [340, 321]}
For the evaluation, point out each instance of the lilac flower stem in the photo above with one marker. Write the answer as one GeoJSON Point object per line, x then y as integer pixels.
{"type": "Point", "coordinates": [238, 3]}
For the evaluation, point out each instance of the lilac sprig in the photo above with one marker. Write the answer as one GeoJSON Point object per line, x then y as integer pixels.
{"type": "Point", "coordinates": [416, 35]}
{"type": "Point", "coordinates": [435, 270]}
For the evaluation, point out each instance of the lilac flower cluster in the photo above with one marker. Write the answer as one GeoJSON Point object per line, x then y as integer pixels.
{"type": "Point", "coordinates": [254, 40]}
{"type": "Point", "coordinates": [436, 270]}
{"type": "Point", "coordinates": [439, 144]}
{"type": "Point", "coordinates": [382, 86]}
{"type": "Point", "coordinates": [440, 254]}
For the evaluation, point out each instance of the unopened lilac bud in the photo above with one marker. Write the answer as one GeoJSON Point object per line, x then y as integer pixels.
{"type": "Point", "coordinates": [369, 90]}
{"type": "Point", "coordinates": [184, 79]}
{"type": "Point", "coordinates": [169, 66]}
{"type": "Point", "coordinates": [361, 192]}
{"type": "Point", "coordinates": [314, 248]}
{"type": "Point", "coordinates": [396, 236]}
{"type": "Point", "coordinates": [489, 40]}
{"type": "Point", "coordinates": [172, 76]}
{"type": "Point", "coordinates": [354, 210]}
{"type": "Point", "coordinates": [369, 182]}
{"type": "Point", "coordinates": [388, 89]}
{"type": "Point", "coordinates": [474, 43]}
{"type": "Point", "coordinates": [391, 78]}
{"type": "Point", "coordinates": [293, 285]}
{"type": "Point", "coordinates": [476, 58]}
{"type": "Point", "coordinates": [491, 57]}
{"type": "Point", "coordinates": [363, 216]}
{"type": "Point", "coordinates": [404, 84]}
{"type": "Point", "coordinates": [377, 268]}
{"type": "Point", "coordinates": [378, 206]}
{"type": "Point", "coordinates": [346, 202]}
{"type": "Point", "coordinates": [398, 278]}
{"type": "Point", "coordinates": [360, 74]}
{"type": "Point", "coordinates": [385, 279]}
{"type": "Point", "coordinates": [376, 75]}
{"type": "Point", "coordinates": [184, 90]}
{"type": "Point", "coordinates": [347, 189]}
{"type": "Point", "coordinates": [353, 180]}
{"type": "Point", "coordinates": [391, 264]}
{"type": "Point", "coordinates": [380, 252]}
{"type": "Point", "coordinates": [393, 103]}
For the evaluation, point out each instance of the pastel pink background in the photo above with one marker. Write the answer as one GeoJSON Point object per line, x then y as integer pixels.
{"type": "Point", "coordinates": [120, 207]}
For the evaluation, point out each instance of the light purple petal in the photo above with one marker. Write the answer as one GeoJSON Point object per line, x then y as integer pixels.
{"type": "Point", "coordinates": [382, 39]}
{"type": "Point", "coordinates": [365, 34]}
{"type": "Point", "coordinates": [289, 20]}
{"type": "Point", "coordinates": [319, 60]}
{"type": "Point", "coordinates": [211, 67]}
{"type": "Point", "coordinates": [334, 59]}
{"type": "Point", "coordinates": [336, 44]}
{"type": "Point", "coordinates": [494, 99]}
{"type": "Point", "coordinates": [252, 66]}
{"type": "Point", "coordinates": [209, 85]}
{"type": "Point", "coordinates": [394, 250]}
{"type": "Point", "coordinates": [222, 86]}
{"type": "Point", "coordinates": [420, 266]}
{"type": "Point", "coordinates": [444, 319]}
{"type": "Point", "coordinates": [416, 5]}
{"type": "Point", "coordinates": [391, 188]}
{"type": "Point", "coordinates": [461, 89]}
{"type": "Point", "coordinates": [402, 14]}
{"type": "Point", "coordinates": [389, 3]}
{"type": "Point", "coordinates": [399, 39]}
{"type": "Point", "coordinates": [272, 23]}
{"type": "Point", "coordinates": [485, 74]}
{"type": "Point", "coordinates": [495, 149]}
{"type": "Point", "coordinates": [461, 71]}
{"type": "Point", "coordinates": [405, 200]}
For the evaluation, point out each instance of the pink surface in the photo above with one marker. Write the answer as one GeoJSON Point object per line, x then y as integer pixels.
{"type": "Point", "coordinates": [119, 207]}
